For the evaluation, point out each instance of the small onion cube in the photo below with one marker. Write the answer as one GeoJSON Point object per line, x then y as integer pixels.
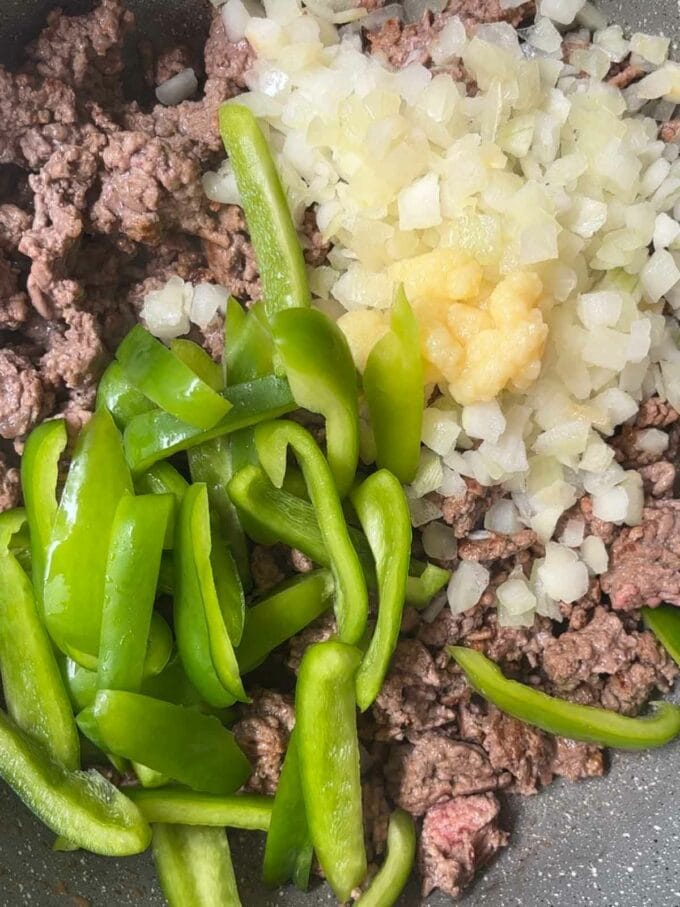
{"type": "Point", "coordinates": [208, 300]}
{"type": "Point", "coordinates": [502, 517]}
{"type": "Point", "coordinates": [484, 421]}
{"type": "Point", "coordinates": [652, 441]}
{"type": "Point", "coordinates": [515, 595]}
{"type": "Point", "coordinates": [659, 275]}
{"type": "Point", "coordinates": [429, 475]}
{"type": "Point", "coordinates": [611, 505]}
{"type": "Point", "coordinates": [418, 204]}
{"type": "Point", "coordinates": [564, 576]}
{"type": "Point", "coordinates": [235, 18]}
{"type": "Point", "coordinates": [653, 48]}
{"type": "Point", "coordinates": [562, 11]}
{"type": "Point", "coordinates": [439, 542]}
{"type": "Point", "coordinates": [177, 88]}
{"type": "Point", "coordinates": [467, 585]}
{"type": "Point", "coordinates": [165, 311]}
{"type": "Point", "coordinates": [572, 534]}
{"type": "Point", "coordinates": [666, 229]}
{"type": "Point", "coordinates": [453, 484]}
{"type": "Point", "coordinates": [594, 554]}
{"type": "Point", "coordinates": [440, 430]}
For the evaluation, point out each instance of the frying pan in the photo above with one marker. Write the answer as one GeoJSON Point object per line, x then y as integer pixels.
{"type": "Point", "coordinates": [611, 842]}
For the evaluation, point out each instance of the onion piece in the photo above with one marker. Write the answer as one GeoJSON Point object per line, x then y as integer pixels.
{"type": "Point", "coordinates": [177, 88]}
{"type": "Point", "coordinates": [467, 585]}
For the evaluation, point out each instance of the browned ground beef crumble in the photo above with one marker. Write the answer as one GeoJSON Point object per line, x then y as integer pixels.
{"type": "Point", "coordinates": [100, 202]}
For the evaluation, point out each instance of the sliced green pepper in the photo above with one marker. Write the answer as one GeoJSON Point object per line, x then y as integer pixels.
{"type": "Point", "coordinates": [568, 719]}
{"type": "Point", "coordinates": [391, 878]}
{"type": "Point", "coordinates": [81, 806]}
{"type": "Point", "coordinates": [248, 346]}
{"type": "Point", "coordinates": [281, 615]}
{"type": "Point", "coordinates": [119, 395]}
{"type": "Point", "coordinates": [170, 383]}
{"type": "Point", "coordinates": [78, 549]}
{"type": "Point", "coordinates": [424, 583]}
{"type": "Point", "coordinates": [163, 478]}
{"type": "Point", "coordinates": [323, 379]}
{"type": "Point", "coordinates": [12, 529]}
{"type": "Point", "coordinates": [39, 476]}
{"type": "Point", "coordinates": [212, 463]}
{"type": "Point", "coordinates": [382, 507]}
{"type": "Point", "coordinates": [288, 851]}
{"type": "Point", "coordinates": [137, 537]}
{"type": "Point", "coordinates": [178, 806]}
{"type": "Point", "coordinates": [33, 689]}
{"type": "Point", "coordinates": [393, 385]}
{"type": "Point", "coordinates": [149, 777]}
{"type": "Point", "coordinates": [201, 625]}
{"type": "Point", "coordinates": [328, 750]}
{"type": "Point", "coordinates": [157, 435]}
{"type": "Point", "coordinates": [194, 749]}
{"type": "Point", "coordinates": [272, 233]}
{"type": "Point", "coordinates": [200, 362]}
{"type": "Point", "coordinates": [194, 866]}
{"type": "Point", "coordinates": [664, 622]}
{"type": "Point", "coordinates": [272, 440]}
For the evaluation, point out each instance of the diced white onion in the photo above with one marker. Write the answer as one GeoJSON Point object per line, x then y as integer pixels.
{"type": "Point", "coordinates": [484, 420]}
{"type": "Point", "coordinates": [429, 475]}
{"type": "Point", "coordinates": [453, 484]}
{"type": "Point", "coordinates": [659, 275]}
{"type": "Point", "coordinates": [235, 17]}
{"type": "Point", "coordinates": [419, 204]}
{"type": "Point", "coordinates": [594, 554]}
{"type": "Point", "coordinates": [220, 186]}
{"type": "Point", "coordinates": [651, 47]}
{"type": "Point", "coordinates": [422, 511]}
{"type": "Point", "coordinates": [502, 517]}
{"type": "Point", "coordinates": [467, 585]}
{"type": "Point", "coordinates": [439, 542]}
{"type": "Point", "coordinates": [166, 311]}
{"type": "Point", "coordinates": [572, 534]}
{"type": "Point", "coordinates": [611, 505]}
{"type": "Point", "coordinates": [652, 441]}
{"type": "Point", "coordinates": [562, 11]}
{"type": "Point", "coordinates": [208, 300]}
{"type": "Point", "coordinates": [515, 596]}
{"type": "Point", "coordinates": [177, 88]}
{"type": "Point", "coordinates": [440, 430]}
{"type": "Point", "coordinates": [564, 576]}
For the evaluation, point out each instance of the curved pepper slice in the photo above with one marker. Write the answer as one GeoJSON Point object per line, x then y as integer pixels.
{"type": "Point", "coordinates": [200, 362]}
{"type": "Point", "coordinates": [39, 476]}
{"type": "Point", "coordinates": [272, 440]}
{"type": "Point", "coordinates": [137, 537]}
{"type": "Point", "coordinates": [161, 479]}
{"type": "Point", "coordinates": [393, 385]}
{"type": "Point", "coordinates": [382, 508]}
{"type": "Point", "coordinates": [281, 615]}
{"type": "Point", "coordinates": [194, 749]}
{"type": "Point", "coordinates": [272, 233]}
{"type": "Point", "coordinates": [558, 716]}
{"type": "Point", "coordinates": [288, 850]}
{"type": "Point", "coordinates": [81, 806]}
{"type": "Point", "coordinates": [178, 806]}
{"type": "Point", "coordinates": [664, 622]}
{"type": "Point", "coordinates": [328, 749]}
{"type": "Point", "coordinates": [170, 383]}
{"type": "Point", "coordinates": [323, 379]}
{"type": "Point", "coordinates": [13, 529]}
{"type": "Point", "coordinates": [157, 435]}
{"type": "Point", "coordinates": [33, 689]}
{"type": "Point", "coordinates": [391, 878]}
{"type": "Point", "coordinates": [78, 549]}
{"type": "Point", "coordinates": [118, 394]}
{"type": "Point", "coordinates": [424, 583]}
{"type": "Point", "coordinates": [194, 866]}
{"type": "Point", "coordinates": [248, 344]}
{"type": "Point", "coordinates": [212, 463]}
{"type": "Point", "coordinates": [200, 624]}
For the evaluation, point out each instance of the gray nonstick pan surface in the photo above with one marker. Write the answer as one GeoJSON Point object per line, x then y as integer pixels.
{"type": "Point", "coordinates": [611, 842]}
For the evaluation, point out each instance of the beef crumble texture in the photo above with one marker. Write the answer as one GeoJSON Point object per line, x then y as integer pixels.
{"type": "Point", "coordinates": [100, 202]}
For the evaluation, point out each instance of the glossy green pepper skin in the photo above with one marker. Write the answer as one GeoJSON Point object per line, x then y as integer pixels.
{"type": "Point", "coordinates": [119, 395]}
{"type": "Point", "coordinates": [73, 596]}
{"type": "Point", "coordinates": [194, 866]}
{"type": "Point", "coordinates": [200, 362]}
{"type": "Point", "coordinates": [179, 806]}
{"type": "Point", "coordinates": [194, 749]}
{"type": "Point", "coordinates": [272, 233]}
{"type": "Point", "coordinates": [322, 377]}
{"type": "Point", "coordinates": [568, 719]}
{"type": "Point", "coordinates": [328, 749]}
{"type": "Point", "coordinates": [248, 346]}
{"type": "Point", "coordinates": [391, 878]}
{"type": "Point", "coordinates": [80, 806]}
{"type": "Point", "coordinates": [664, 622]}
{"type": "Point", "coordinates": [168, 381]}
{"type": "Point", "coordinates": [164, 479]}
{"type": "Point", "coordinates": [272, 440]}
{"type": "Point", "coordinates": [382, 508]}
{"type": "Point", "coordinates": [393, 385]}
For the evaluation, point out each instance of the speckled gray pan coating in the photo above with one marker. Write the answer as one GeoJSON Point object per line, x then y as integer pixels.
{"type": "Point", "coordinates": [612, 842]}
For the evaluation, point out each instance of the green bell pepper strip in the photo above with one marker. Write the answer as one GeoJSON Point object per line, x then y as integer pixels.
{"type": "Point", "coordinates": [272, 440]}
{"type": "Point", "coordinates": [77, 553]}
{"type": "Point", "coordinates": [285, 612]}
{"type": "Point", "coordinates": [323, 379]}
{"type": "Point", "coordinates": [149, 777]}
{"type": "Point", "coordinates": [81, 806]}
{"type": "Point", "coordinates": [393, 386]}
{"type": "Point", "coordinates": [568, 719]}
{"type": "Point", "coordinates": [157, 435]}
{"type": "Point", "coordinates": [248, 344]}
{"type": "Point", "coordinates": [382, 508]}
{"type": "Point", "coordinates": [194, 749]}
{"type": "Point", "coordinates": [163, 478]}
{"type": "Point", "coordinates": [201, 624]}
{"type": "Point", "coordinates": [33, 689]}
{"type": "Point", "coordinates": [194, 866]}
{"type": "Point", "coordinates": [168, 381]}
{"type": "Point", "coordinates": [200, 362]}
{"type": "Point", "coordinates": [179, 806]}
{"type": "Point", "coordinates": [288, 850]}
{"type": "Point", "coordinates": [118, 394]}
{"type": "Point", "coordinates": [12, 529]}
{"type": "Point", "coordinates": [212, 463]}
{"type": "Point", "coordinates": [39, 476]}
{"type": "Point", "coordinates": [134, 559]}
{"type": "Point", "coordinates": [664, 622]}
{"type": "Point", "coordinates": [272, 233]}
{"type": "Point", "coordinates": [272, 514]}
{"type": "Point", "coordinates": [328, 750]}
{"type": "Point", "coordinates": [391, 878]}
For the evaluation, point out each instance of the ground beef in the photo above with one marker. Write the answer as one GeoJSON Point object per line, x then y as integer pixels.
{"type": "Point", "coordinates": [318, 631]}
{"type": "Point", "coordinates": [23, 400]}
{"type": "Point", "coordinates": [263, 735]}
{"type": "Point", "coordinates": [10, 485]}
{"type": "Point", "coordinates": [524, 752]}
{"type": "Point", "coordinates": [14, 222]}
{"type": "Point", "coordinates": [575, 760]}
{"type": "Point", "coordinates": [670, 131]}
{"type": "Point", "coordinates": [658, 479]}
{"type": "Point", "coordinates": [436, 768]}
{"type": "Point", "coordinates": [466, 512]}
{"type": "Point", "coordinates": [458, 838]}
{"type": "Point", "coordinates": [623, 74]}
{"type": "Point", "coordinates": [495, 547]}
{"type": "Point", "coordinates": [313, 244]}
{"type": "Point", "coordinates": [376, 811]}
{"type": "Point", "coordinates": [655, 413]}
{"type": "Point", "coordinates": [233, 262]}
{"type": "Point", "coordinates": [644, 565]}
